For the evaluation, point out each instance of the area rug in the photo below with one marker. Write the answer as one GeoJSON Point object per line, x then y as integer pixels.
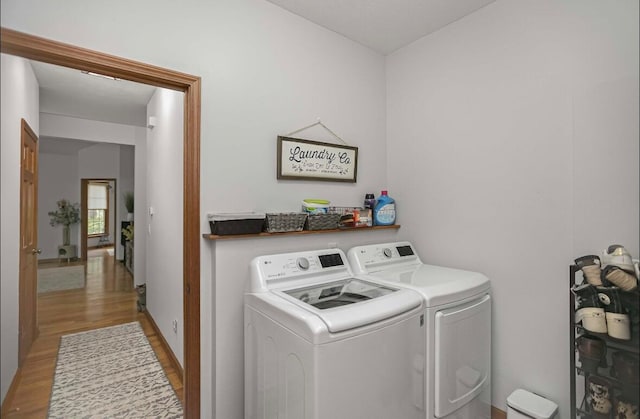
{"type": "Point", "coordinates": [60, 278]}
{"type": "Point", "coordinates": [111, 372]}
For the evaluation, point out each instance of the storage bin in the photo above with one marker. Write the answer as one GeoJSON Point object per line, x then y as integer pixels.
{"type": "Point", "coordinates": [349, 216]}
{"type": "Point", "coordinates": [236, 223]}
{"type": "Point", "coordinates": [524, 404]}
{"type": "Point", "coordinates": [281, 222]}
{"type": "Point", "coordinates": [322, 221]}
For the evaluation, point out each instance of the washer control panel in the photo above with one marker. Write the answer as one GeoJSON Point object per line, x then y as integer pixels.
{"type": "Point", "coordinates": [291, 265]}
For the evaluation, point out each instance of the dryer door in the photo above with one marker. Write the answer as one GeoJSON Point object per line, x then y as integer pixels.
{"type": "Point", "coordinates": [462, 354]}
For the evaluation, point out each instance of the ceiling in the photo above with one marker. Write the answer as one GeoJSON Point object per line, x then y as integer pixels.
{"type": "Point", "coordinates": [77, 83]}
{"type": "Point", "coordinates": [382, 25]}
{"type": "Point", "coordinates": [70, 92]}
{"type": "Point", "coordinates": [66, 91]}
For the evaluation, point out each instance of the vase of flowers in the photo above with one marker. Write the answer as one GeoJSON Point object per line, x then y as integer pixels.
{"type": "Point", "coordinates": [128, 204]}
{"type": "Point", "coordinates": [127, 232]}
{"type": "Point", "coordinates": [67, 214]}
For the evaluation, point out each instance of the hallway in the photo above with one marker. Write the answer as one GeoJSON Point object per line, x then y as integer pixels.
{"type": "Point", "coordinates": [108, 299]}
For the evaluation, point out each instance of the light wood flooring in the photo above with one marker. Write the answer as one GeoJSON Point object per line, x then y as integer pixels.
{"type": "Point", "coordinates": [108, 299]}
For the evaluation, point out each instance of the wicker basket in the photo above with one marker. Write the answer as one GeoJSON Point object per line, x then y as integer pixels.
{"type": "Point", "coordinates": [285, 221]}
{"type": "Point", "coordinates": [322, 221]}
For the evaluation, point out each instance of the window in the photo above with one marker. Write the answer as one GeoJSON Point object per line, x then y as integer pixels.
{"type": "Point", "coordinates": [98, 209]}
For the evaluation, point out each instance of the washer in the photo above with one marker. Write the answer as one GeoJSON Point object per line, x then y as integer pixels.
{"type": "Point", "coordinates": [458, 320]}
{"type": "Point", "coordinates": [321, 344]}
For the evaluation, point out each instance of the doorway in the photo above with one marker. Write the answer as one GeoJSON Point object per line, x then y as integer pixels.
{"type": "Point", "coordinates": [41, 49]}
{"type": "Point", "coordinates": [98, 222]}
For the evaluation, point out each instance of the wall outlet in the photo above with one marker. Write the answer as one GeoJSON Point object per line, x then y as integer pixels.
{"type": "Point", "coordinates": [175, 326]}
{"type": "Point", "coordinates": [332, 245]}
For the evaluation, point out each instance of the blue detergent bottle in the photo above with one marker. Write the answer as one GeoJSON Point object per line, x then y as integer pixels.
{"type": "Point", "coordinates": [384, 214]}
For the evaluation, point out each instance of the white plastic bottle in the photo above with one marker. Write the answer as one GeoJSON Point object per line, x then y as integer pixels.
{"type": "Point", "coordinates": [384, 214]}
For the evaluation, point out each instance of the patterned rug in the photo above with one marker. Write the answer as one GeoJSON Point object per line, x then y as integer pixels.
{"type": "Point", "coordinates": [111, 372]}
{"type": "Point", "coordinates": [60, 278]}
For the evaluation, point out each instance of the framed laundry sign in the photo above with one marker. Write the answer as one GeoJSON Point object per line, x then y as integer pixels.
{"type": "Point", "coordinates": [313, 160]}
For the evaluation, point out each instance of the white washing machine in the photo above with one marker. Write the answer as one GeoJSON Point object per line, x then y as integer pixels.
{"type": "Point", "coordinates": [458, 321]}
{"type": "Point", "coordinates": [321, 344]}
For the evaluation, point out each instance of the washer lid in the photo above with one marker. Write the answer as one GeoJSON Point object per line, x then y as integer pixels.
{"type": "Point", "coordinates": [350, 303]}
{"type": "Point", "coordinates": [438, 285]}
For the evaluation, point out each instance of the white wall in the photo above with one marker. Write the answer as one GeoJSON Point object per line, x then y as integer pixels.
{"type": "Point", "coordinates": [126, 184]}
{"type": "Point", "coordinates": [57, 179]}
{"type": "Point", "coordinates": [164, 228]}
{"type": "Point", "coordinates": [60, 126]}
{"type": "Point", "coordinates": [60, 177]}
{"type": "Point", "coordinates": [513, 148]}
{"type": "Point", "coordinates": [99, 161]}
{"type": "Point", "coordinates": [264, 72]}
{"type": "Point", "coordinates": [140, 210]}
{"type": "Point", "coordinates": [19, 99]}
{"type": "Point", "coordinates": [605, 164]}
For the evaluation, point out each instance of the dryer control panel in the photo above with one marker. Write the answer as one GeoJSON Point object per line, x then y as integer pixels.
{"type": "Point", "coordinates": [366, 259]}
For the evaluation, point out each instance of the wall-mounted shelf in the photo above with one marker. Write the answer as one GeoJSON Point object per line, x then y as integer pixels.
{"type": "Point", "coordinates": [297, 233]}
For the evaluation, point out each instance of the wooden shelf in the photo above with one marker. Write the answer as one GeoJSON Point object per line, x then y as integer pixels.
{"type": "Point", "coordinates": [297, 233]}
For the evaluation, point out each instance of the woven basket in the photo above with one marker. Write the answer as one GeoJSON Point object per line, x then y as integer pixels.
{"type": "Point", "coordinates": [322, 222]}
{"type": "Point", "coordinates": [285, 221]}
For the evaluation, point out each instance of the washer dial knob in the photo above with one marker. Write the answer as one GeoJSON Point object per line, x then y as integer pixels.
{"type": "Point", "coordinates": [303, 263]}
{"type": "Point", "coordinates": [387, 252]}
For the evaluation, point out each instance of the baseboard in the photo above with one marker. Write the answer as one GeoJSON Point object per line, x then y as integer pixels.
{"type": "Point", "coordinates": [172, 357]}
{"type": "Point", "coordinates": [497, 413]}
{"type": "Point", "coordinates": [4, 410]}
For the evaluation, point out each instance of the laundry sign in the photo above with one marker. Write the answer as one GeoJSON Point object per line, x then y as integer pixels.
{"type": "Point", "coordinates": [313, 160]}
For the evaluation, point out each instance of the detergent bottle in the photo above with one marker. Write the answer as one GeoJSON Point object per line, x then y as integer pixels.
{"type": "Point", "coordinates": [384, 214]}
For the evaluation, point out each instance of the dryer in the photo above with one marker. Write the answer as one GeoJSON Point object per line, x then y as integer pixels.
{"type": "Point", "coordinates": [321, 344]}
{"type": "Point", "coordinates": [458, 326]}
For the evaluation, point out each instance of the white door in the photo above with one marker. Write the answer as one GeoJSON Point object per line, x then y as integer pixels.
{"type": "Point", "coordinates": [462, 354]}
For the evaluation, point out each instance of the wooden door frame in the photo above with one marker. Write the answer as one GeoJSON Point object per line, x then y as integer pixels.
{"type": "Point", "coordinates": [53, 52]}
{"type": "Point", "coordinates": [84, 207]}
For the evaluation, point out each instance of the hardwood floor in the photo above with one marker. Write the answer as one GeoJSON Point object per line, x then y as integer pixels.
{"type": "Point", "coordinates": [108, 299]}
